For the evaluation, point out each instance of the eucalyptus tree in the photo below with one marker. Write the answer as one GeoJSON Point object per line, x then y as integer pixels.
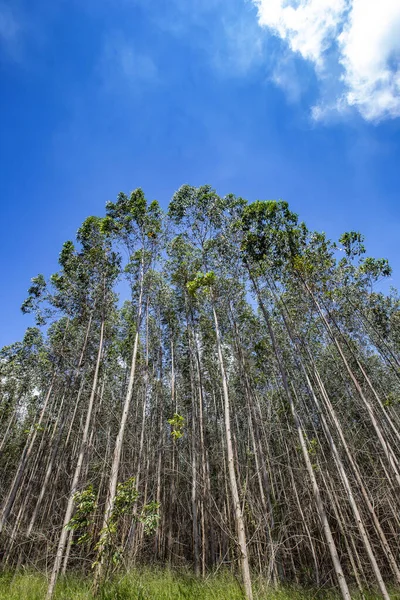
{"type": "Point", "coordinates": [22, 374]}
{"type": "Point", "coordinates": [240, 404]}
{"type": "Point", "coordinates": [32, 338]}
{"type": "Point", "coordinates": [270, 238]}
{"type": "Point", "coordinates": [182, 264]}
{"type": "Point", "coordinates": [97, 267]}
{"type": "Point", "coordinates": [323, 262]}
{"type": "Point", "coordinates": [136, 225]}
{"type": "Point", "coordinates": [24, 368]}
{"type": "Point", "coordinates": [313, 269]}
{"type": "Point", "coordinates": [200, 211]}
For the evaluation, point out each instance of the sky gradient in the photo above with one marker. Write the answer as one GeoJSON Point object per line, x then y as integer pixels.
{"type": "Point", "coordinates": [99, 97]}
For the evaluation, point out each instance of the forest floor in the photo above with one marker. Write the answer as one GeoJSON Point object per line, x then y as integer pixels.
{"type": "Point", "coordinates": [155, 585]}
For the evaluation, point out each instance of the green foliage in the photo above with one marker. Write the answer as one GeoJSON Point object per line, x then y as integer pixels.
{"type": "Point", "coordinates": [312, 446]}
{"type": "Point", "coordinates": [303, 266]}
{"type": "Point", "coordinates": [352, 242]}
{"type": "Point", "coordinates": [83, 519]}
{"type": "Point", "coordinates": [67, 255]}
{"type": "Point", "coordinates": [130, 216]}
{"type": "Point", "coordinates": [38, 286]}
{"type": "Point", "coordinates": [313, 261]}
{"type": "Point", "coordinates": [270, 232]}
{"type": "Point", "coordinates": [392, 399]}
{"type": "Point", "coordinates": [202, 280]}
{"type": "Point", "coordinates": [124, 502]}
{"type": "Point", "coordinates": [202, 204]}
{"type": "Point", "coordinates": [376, 268]}
{"type": "Point", "coordinates": [36, 296]}
{"type": "Point", "coordinates": [150, 517]}
{"type": "Point", "coordinates": [125, 498]}
{"type": "Point", "coordinates": [177, 423]}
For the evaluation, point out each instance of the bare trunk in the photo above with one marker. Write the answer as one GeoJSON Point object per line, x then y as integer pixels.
{"type": "Point", "coordinates": [75, 481]}
{"type": "Point", "coordinates": [244, 560]}
{"type": "Point", "coordinates": [30, 442]}
{"type": "Point", "coordinates": [118, 449]}
{"type": "Point", "coordinates": [317, 495]}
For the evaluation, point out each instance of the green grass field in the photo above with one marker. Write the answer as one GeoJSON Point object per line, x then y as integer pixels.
{"type": "Point", "coordinates": [154, 585]}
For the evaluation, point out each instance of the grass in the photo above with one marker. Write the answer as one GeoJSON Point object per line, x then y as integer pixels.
{"type": "Point", "coordinates": [153, 585]}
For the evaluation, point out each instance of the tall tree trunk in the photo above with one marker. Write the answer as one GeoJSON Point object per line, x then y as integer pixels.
{"type": "Point", "coordinates": [244, 560]}
{"type": "Point", "coordinates": [75, 481]}
{"type": "Point", "coordinates": [317, 495]}
{"type": "Point", "coordinates": [30, 442]}
{"type": "Point", "coordinates": [112, 487]}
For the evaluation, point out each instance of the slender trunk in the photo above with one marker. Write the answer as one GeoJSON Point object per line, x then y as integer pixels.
{"type": "Point", "coordinates": [355, 470]}
{"type": "Point", "coordinates": [317, 495]}
{"type": "Point", "coordinates": [75, 481]}
{"type": "Point", "coordinates": [244, 560]}
{"type": "Point", "coordinates": [112, 488]}
{"type": "Point", "coordinates": [390, 456]}
{"type": "Point", "coordinates": [30, 442]}
{"type": "Point", "coordinates": [342, 472]}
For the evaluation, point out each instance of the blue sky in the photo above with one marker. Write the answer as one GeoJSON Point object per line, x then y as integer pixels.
{"type": "Point", "coordinates": [297, 100]}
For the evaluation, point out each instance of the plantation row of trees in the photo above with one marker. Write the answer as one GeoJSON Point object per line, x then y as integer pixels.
{"type": "Point", "coordinates": [241, 407]}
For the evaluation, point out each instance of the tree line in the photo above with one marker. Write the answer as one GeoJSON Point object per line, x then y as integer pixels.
{"type": "Point", "coordinates": [215, 386]}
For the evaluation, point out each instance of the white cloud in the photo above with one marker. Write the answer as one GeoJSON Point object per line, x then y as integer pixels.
{"type": "Point", "coordinates": [370, 48]}
{"type": "Point", "coordinates": [308, 26]}
{"type": "Point", "coordinates": [362, 35]}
